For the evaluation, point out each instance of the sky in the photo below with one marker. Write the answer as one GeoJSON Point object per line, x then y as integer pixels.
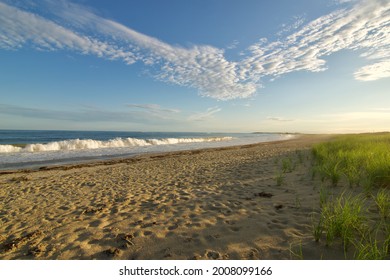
{"type": "Point", "coordinates": [197, 65]}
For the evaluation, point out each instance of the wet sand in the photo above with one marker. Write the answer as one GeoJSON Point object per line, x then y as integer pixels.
{"type": "Point", "coordinates": [225, 203]}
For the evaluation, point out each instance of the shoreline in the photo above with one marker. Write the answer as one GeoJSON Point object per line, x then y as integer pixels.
{"type": "Point", "coordinates": [220, 203]}
{"type": "Point", "coordinates": [114, 159]}
{"type": "Point", "coordinates": [29, 160]}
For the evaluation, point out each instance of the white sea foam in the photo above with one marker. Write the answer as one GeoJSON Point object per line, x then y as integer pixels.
{"type": "Point", "coordinates": [86, 144]}
{"type": "Point", "coordinates": [9, 149]}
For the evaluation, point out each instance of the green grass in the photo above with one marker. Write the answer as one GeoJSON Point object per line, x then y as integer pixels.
{"type": "Point", "coordinates": [287, 165]}
{"type": "Point", "coordinates": [318, 230]}
{"type": "Point", "coordinates": [382, 201]}
{"type": "Point", "coordinates": [362, 164]}
{"type": "Point", "coordinates": [324, 196]}
{"type": "Point", "coordinates": [370, 248]}
{"type": "Point", "coordinates": [343, 217]}
{"type": "Point", "coordinates": [279, 177]}
{"type": "Point", "coordinates": [358, 158]}
{"type": "Point", "coordinates": [296, 251]}
{"type": "Point", "coordinates": [298, 203]}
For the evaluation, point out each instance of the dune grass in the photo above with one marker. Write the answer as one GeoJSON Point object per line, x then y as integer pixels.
{"type": "Point", "coordinates": [287, 165]}
{"type": "Point", "coordinates": [343, 217]}
{"type": "Point", "coordinates": [279, 178]}
{"type": "Point", "coordinates": [359, 158]}
{"type": "Point", "coordinates": [382, 200]}
{"type": "Point", "coordinates": [362, 163]}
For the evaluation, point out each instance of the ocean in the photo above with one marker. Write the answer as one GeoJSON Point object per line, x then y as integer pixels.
{"type": "Point", "coordinates": [38, 148]}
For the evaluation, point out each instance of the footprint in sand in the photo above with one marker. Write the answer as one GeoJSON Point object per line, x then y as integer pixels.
{"type": "Point", "coordinates": [175, 226]}
{"type": "Point", "coordinates": [235, 229]}
{"type": "Point", "coordinates": [213, 255]}
{"type": "Point", "coordinates": [253, 254]}
{"type": "Point", "coordinates": [114, 252]}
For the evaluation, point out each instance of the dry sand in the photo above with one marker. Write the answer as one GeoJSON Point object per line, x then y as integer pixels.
{"type": "Point", "coordinates": [210, 204]}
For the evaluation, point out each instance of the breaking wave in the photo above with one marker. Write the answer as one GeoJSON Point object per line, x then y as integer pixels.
{"type": "Point", "coordinates": [84, 144]}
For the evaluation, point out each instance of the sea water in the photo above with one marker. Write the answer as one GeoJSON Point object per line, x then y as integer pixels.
{"type": "Point", "coordinates": [36, 148]}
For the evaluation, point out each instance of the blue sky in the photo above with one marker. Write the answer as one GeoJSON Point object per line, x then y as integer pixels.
{"type": "Point", "coordinates": [196, 65]}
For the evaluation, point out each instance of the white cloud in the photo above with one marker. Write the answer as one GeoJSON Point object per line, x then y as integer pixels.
{"type": "Point", "coordinates": [344, 1]}
{"type": "Point", "coordinates": [279, 119]}
{"type": "Point", "coordinates": [360, 25]}
{"type": "Point", "coordinates": [203, 116]}
{"type": "Point", "coordinates": [363, 27]}
{"type": "Point", "coordinates": [374, 71]}
{"type": "Point", "coordinates": [18, 28]}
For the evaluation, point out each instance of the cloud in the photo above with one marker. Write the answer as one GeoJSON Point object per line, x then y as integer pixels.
{"type": "Point", "coordinates": [363, 27]}
{"type": "Point", "coordinates": [62, 25]}
{"type": "Point", "coordinates": [374, 71]}
{"type": "Point", "coordinates": [19, 28]}
{"type": "Point", "coordinates": [298, 21]}
{"type": "Point", "coordinates": [153, 108]}
{"type": "Point", "coordinates": [86, 114]}
{"type": "Point", "coordinates": [233, 45]}
{"type": "Point", "coordinates": [344, 1]}
{"type": "Point", "coordinates": [204, 116]}
{"type": "Point", "coordinates": [278, 119]}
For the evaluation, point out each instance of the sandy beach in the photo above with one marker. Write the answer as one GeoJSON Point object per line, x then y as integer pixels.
{"type": "Point", "coordinates": [224, 203]}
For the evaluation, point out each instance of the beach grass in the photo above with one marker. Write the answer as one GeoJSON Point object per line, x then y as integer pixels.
{"type": "Point", "coordinates": [382, 200]}
{"type": "Point", "coordinates": [279, 178]}
{"type": "Point", "coordinates": [343, 217]}
{"type": "Point", "coordinates": [358, 158]}
{"type": "Point", "coordinates": [287, 165]}
{"type": "Point", "coordinates": [359, 167]}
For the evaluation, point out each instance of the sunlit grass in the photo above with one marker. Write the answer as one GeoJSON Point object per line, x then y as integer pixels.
{"type": "Point", "coordinates": [371, 248]}
{"type": "Point", "coordinates": [343, 217]}
{"type": "Point", "coordinates": [362, 162]}
{"type": "Point", "coordinates": [358, 158]}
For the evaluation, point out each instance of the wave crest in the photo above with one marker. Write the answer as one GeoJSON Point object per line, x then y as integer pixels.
{"type": "Point", "coordinates": [9, 149]}
{"type": "Point", "coordinates": [83, 144]}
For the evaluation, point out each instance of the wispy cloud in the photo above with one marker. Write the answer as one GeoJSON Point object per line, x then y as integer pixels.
{"type": "Point", "coordinates": [19, 28]}
{"type": "Point", "coordinates": [233, 45]}
{"type": "Point", "coordinates": [374, 71]}
{"type": "Point", "coordinates": [204, 116]}
{"type": "Point", "coordinates": [358, 25]}
{"type": "Point", "coordinates": [87, 114]}
{"type": "Point", "coordinates": [279, 119]}
{"type": "Point", "coordinates": [153, 108]}
{"type": "Point", "coordinates": [363, 27]}
{"type": "Point", "coordinates": [298, 21]}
